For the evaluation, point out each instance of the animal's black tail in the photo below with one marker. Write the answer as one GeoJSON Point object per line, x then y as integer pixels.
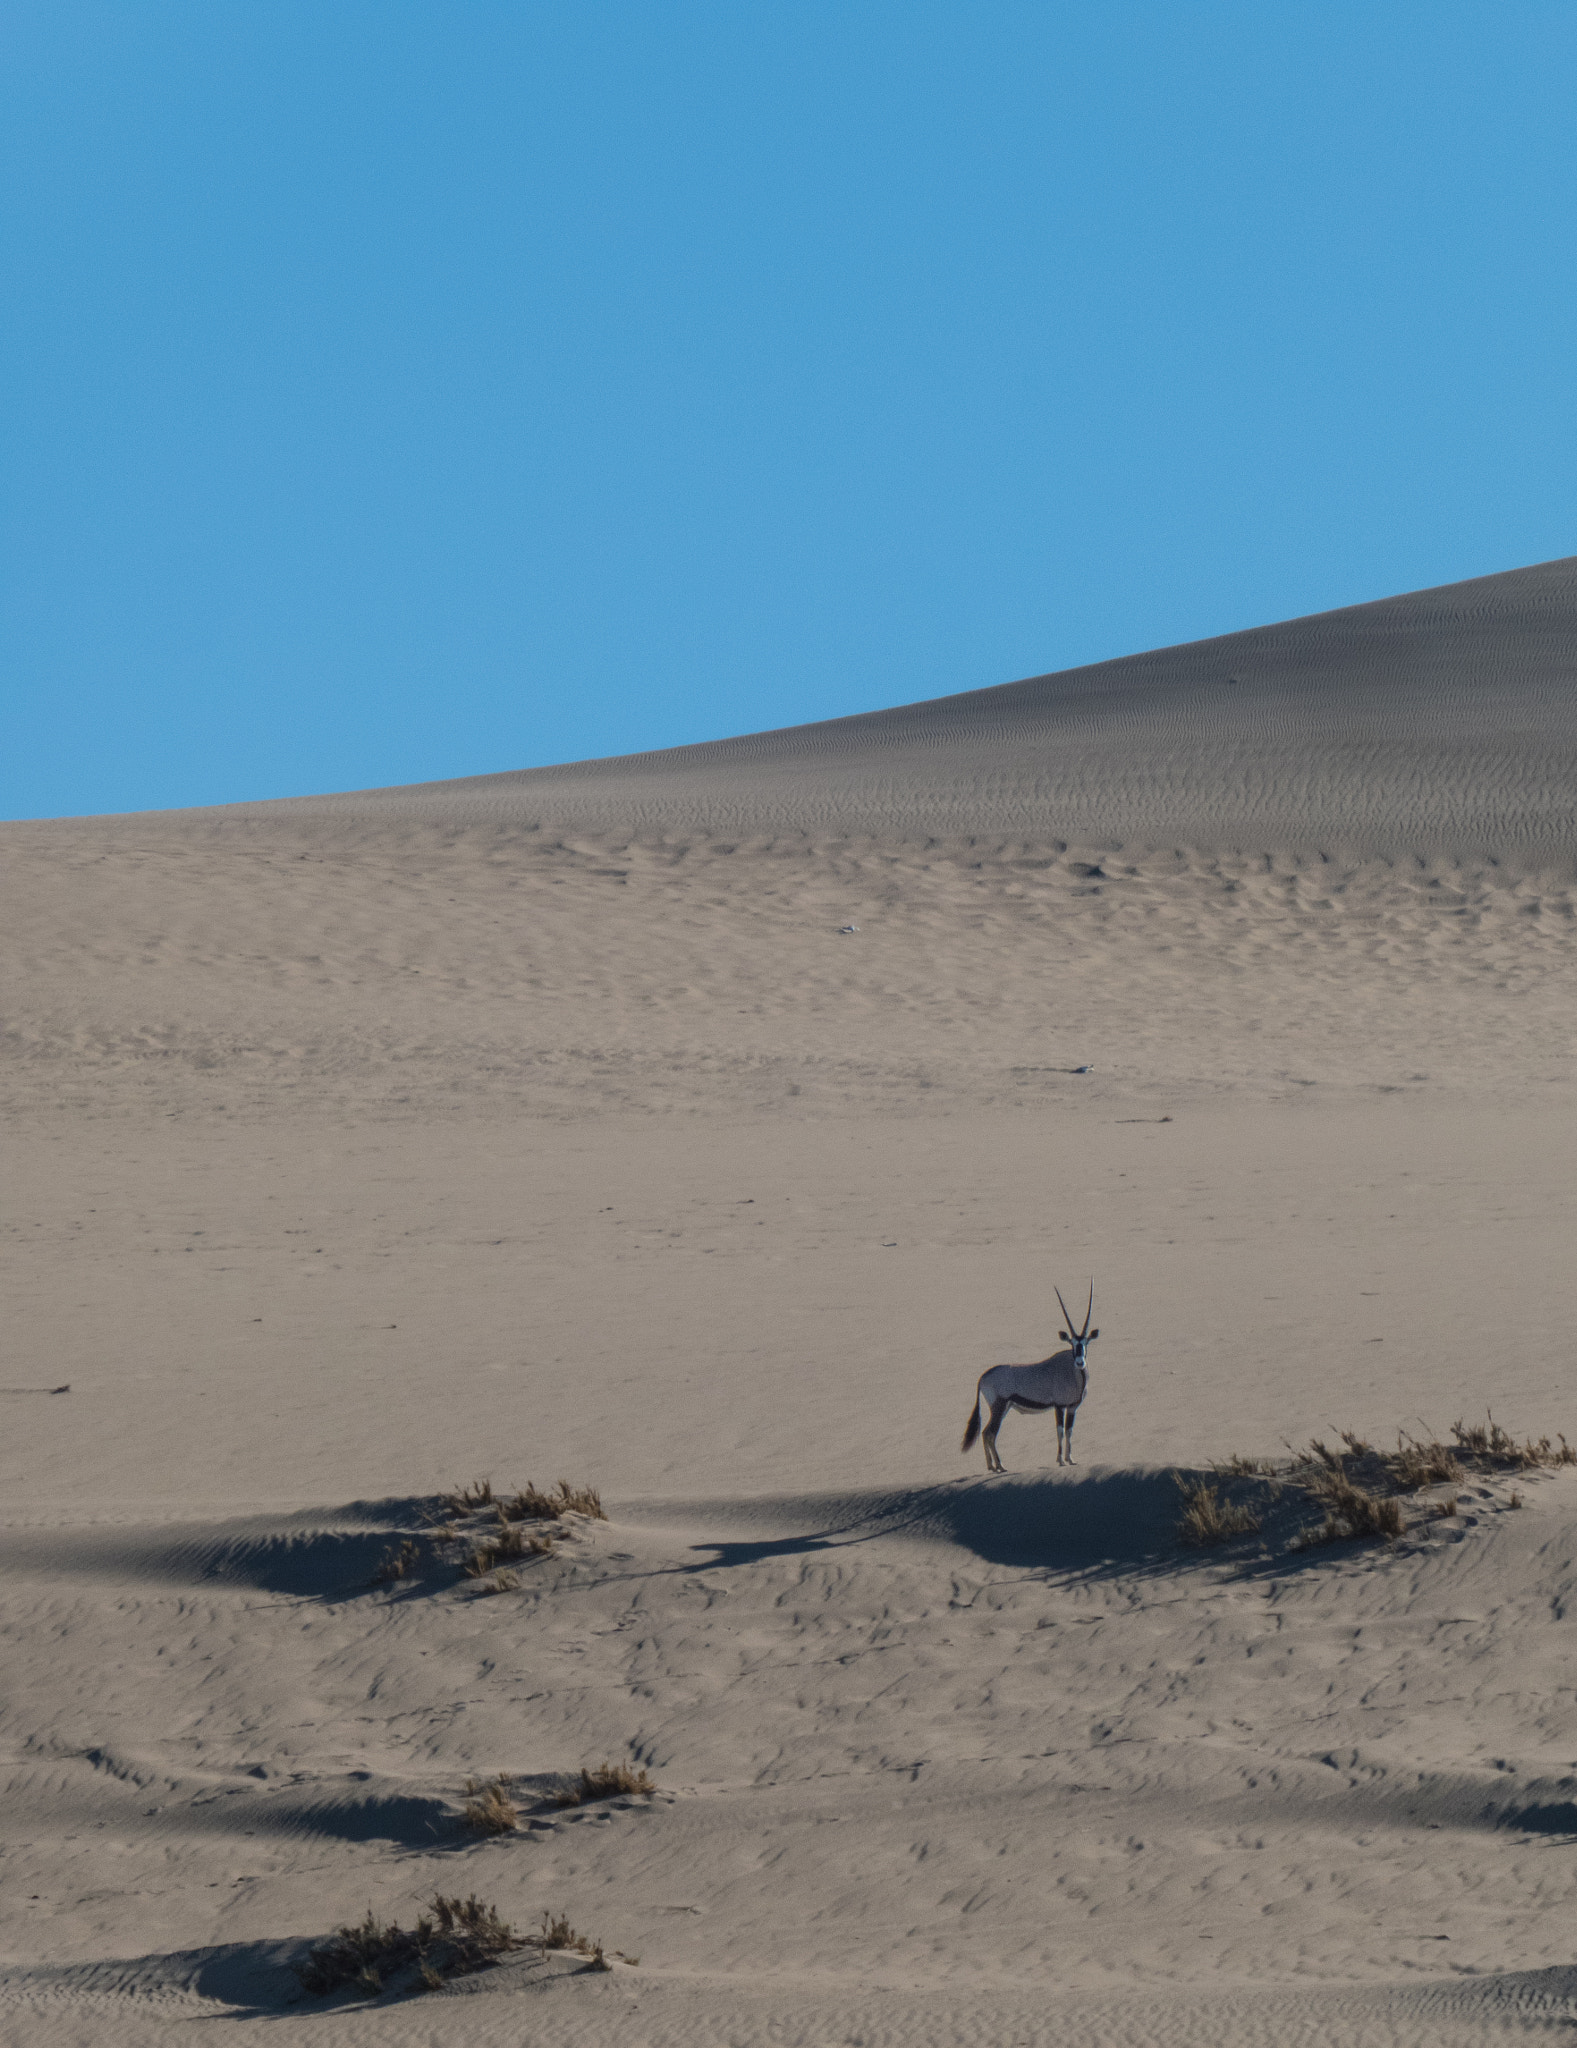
{"type": "Point", "coordinates": [974, 1424]}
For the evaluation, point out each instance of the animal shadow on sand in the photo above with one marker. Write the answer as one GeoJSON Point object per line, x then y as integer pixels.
{"type": "Point", "coordinates": [1104, 1522]}
{"type": "Point", "coordinates": [1122, 1520]}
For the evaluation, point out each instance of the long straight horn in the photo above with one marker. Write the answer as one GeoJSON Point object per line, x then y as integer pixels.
{"type": "Point", "coordinates": [1064, 1307]}
{"type": "Point", "coordinates": [1088, 1311]}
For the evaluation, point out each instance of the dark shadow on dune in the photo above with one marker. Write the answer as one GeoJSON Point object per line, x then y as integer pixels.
{"type": "Point", "coordinates": [1109, 1518]}
{"type": "Point", "coordinates": [1095, 1523]}
{"type": "Point", "coordinates": [308, 1555]}
{"type": "Point", "coordinates": [298, 1556]}
{"type": "Point", "coordinates": [253, 1978]}
{"type": "Point", "coordinates": [408, 1819]}
{"type": "Point", "coordinates": [326, 1565]}
{"type": "Point", "coordinates": [1120, 1520]}
{"type": "Point", "coordinates": [1559, 1817]}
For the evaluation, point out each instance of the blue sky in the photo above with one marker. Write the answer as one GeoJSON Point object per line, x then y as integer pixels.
{"type": "Point", "coordinates": [398, 391]}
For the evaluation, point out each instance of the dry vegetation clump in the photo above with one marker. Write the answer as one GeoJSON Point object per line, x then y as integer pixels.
{"type": "Point", "coordinates": [1356, 1487]}
{"type": "Point", "coordinates": [465, 1500]}
{"type": "Point", "coordinates": [398, 1563]}
{"type": "Point", "coordinates": [1352, 1512]}
{"type": "Point", "coordinates": [488, 1524]}
{"type": "Point", "coordinates": [489, 1810]}
{"type": "Point", "coordinates": [456, 1938]}
{"type": "Point", "coordinates": [558, 1933]}
{"type": "Point", "coordinates": [1239, 1467]}
{"type": "Point", "coordinates": [607, 1781]}
{"type": "Point", "coordinates": [1488, 1446]}
{"type": "Point", "coordinates": [1208, 1519]}
{"type": "Point", "coordinates": [505, 1542]}
{"type": "Point", "coordinates": [532, 1505]}
{"type": "Point", "coordinates": [501, 1582]}
{"type": "Point", "coordinates": [1414, 1464]}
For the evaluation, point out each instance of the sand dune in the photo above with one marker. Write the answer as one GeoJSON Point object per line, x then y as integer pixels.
{"type": "Point", "coordinates": [555, 1124]}
{"type": "Point", "coordinates": [1444, 721]}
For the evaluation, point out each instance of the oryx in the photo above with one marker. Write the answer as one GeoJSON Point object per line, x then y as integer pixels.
{"type": "Point", "coordinates": [1058, 1382]}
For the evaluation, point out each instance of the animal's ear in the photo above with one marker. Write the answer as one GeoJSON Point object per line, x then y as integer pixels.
{"type": "Point", "coordinates": [1092, 1336]}
{"type": "Point", "coordinates": [1064, 1336]}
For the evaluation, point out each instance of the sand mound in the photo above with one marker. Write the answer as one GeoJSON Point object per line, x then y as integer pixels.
{"type": "Point", "coordinates": [700, 1126]}
{"type": "Point", "coordinates": [1445, 720]}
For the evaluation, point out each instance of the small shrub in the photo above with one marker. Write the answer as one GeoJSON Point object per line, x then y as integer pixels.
{"type": "Point", "coordinates": [1514, 1502]}
{"type": "Point", "coordinates": [532, 1505]}
{"type": "Point", "coordinates": [489, 1810]}
{"type": "Point", "coordinates": [1207, 1519]}
{"type": "Point", "coordinates": [607, 1781]}
{"type": "Point", "coordinates": [398, 1563]}
{"type": "Point", "coordinates": [475, 1935]}
{"type": "Point", "coordinates": [349, 1953]}
{"type": "Point", "coordinates": [1446, 1509]}
{"type": "Point", "coordinates": [461, 1936]}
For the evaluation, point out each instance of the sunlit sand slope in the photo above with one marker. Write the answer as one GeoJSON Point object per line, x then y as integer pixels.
{"type": "Point", "coordinates": [940, 1765]}
{"type": "Point", "coordinates": [1442, 720]}
{"type": "Point", "coordinates": [699, 1127]}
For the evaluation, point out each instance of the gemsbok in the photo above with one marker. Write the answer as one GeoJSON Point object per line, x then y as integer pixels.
{"type": "Point", "coordinates": [1059, 1382]}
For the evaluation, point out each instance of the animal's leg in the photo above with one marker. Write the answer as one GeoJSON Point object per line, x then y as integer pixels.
{"type": "Point", "coordinates": [989, 1435]}
{"type": "Point", "coordinates": [1059, 1413]}
{"type": "Point", "coordinates": [1073, 1416]}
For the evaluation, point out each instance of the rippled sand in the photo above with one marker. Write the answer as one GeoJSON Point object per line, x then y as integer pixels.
{"type": "Point", "coordinates": [556, 1124]}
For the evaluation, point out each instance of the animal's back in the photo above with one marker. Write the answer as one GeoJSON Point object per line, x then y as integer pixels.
{"type": "Point", "coordinates": [1055, 1382]}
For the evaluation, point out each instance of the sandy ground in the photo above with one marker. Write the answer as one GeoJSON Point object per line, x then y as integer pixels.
{"type": "Point", "coordinates": [357, 1148]}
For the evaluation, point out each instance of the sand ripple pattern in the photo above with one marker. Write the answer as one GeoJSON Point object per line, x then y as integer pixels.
{"type": "Point", "coordinates": [1442, 721]}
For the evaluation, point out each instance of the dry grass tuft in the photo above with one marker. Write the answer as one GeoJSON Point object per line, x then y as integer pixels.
{"type": "Point", "coordinates": [465, 1500]}
{"type": "Point", "coordinates": [485, 1526]}
{"type": "Point", "coordinates": [500, 1582]}
{"type": "Point", "coordinates": [558, 1933]}
{"type": "Point", "coordinates": [1414, 1464]}
{"type": "Point", "coordinates": [532, 1505]}
{"type": "Point", "coordinates": [461, 1935]}
{"type": "Point", "coordinates": [1352, 1513]}
{"type": "Point", "coordinates": [507, 1542]}
{"type": "Point", "coordinates": [489, 1810]}
{"type": "Point", "coordinates": [1207, 1519]}
{"type": "Point", "coordinates": [398, 1563]}
{"type": "Point", "coordinates": [607, 1781]}
{"type": "Point", "coordinates": [1487, 1444]}
{"type": "Point", "coordinates": [475, 1933]}
{"type": "Point", "coordinates": [1358, 1488]}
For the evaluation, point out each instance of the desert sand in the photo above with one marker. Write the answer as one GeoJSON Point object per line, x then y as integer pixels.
{"type": "Point", "coordinates": [698, 1128]}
